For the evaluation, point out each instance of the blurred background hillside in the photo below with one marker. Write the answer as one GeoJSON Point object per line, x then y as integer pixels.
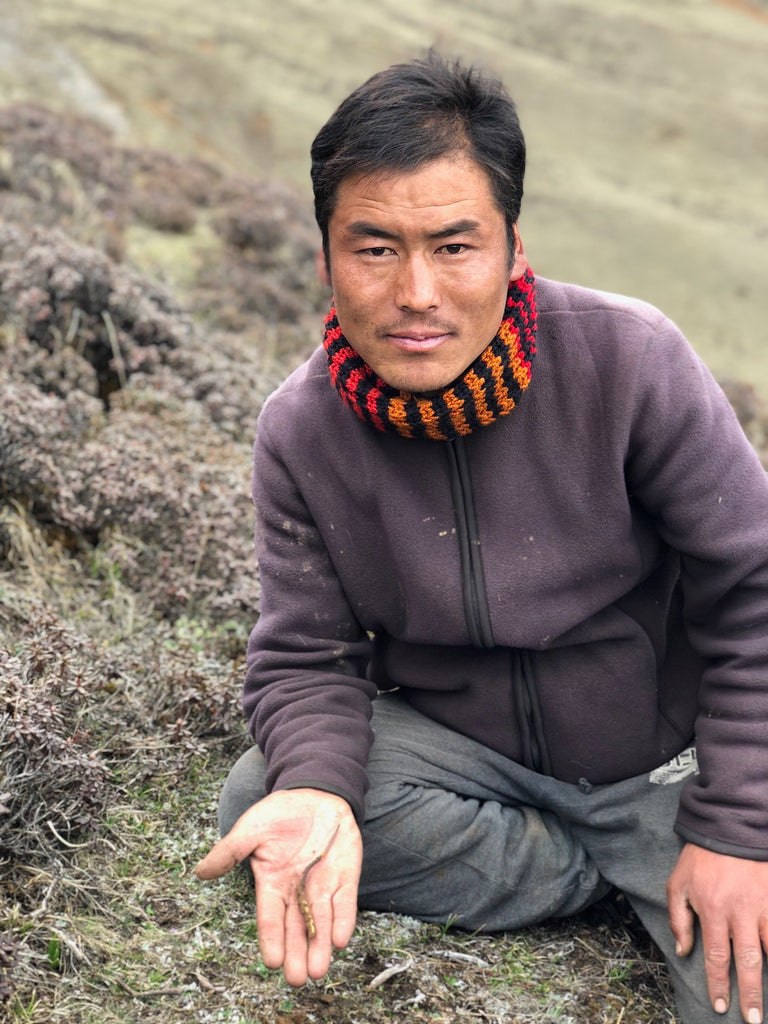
{"type": "Point", "coordinates": [647, 120]}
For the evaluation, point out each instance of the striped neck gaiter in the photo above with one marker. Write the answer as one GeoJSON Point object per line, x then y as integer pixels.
{"type": "Point", "coordinates": [485, 391]}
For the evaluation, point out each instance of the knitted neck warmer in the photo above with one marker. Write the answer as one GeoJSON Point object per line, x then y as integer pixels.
{"type": "Point", "coordinates": [485, 391]}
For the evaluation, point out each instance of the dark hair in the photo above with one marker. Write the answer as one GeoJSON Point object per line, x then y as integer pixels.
{"type": "Point", "coordinates": [411, 114]}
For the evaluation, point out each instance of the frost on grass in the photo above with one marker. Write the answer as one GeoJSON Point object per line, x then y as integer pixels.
{"type": "Point", "coordinates": [127, 589]}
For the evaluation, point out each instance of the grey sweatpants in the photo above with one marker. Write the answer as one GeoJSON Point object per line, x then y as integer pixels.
{"type": "Point", "coordinates": [456, 832]}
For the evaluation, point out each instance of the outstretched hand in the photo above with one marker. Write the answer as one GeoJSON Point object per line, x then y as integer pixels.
{"type": "Point", "coordinates": [281, 836]}
{"type": "Point", "coordinates": [729, 895]}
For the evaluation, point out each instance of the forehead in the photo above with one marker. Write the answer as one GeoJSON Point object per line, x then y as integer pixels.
{"type": "Point", "coordinates": [452, 185]}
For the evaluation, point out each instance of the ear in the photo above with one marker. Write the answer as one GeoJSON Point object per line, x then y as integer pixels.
{"type": "Point", "coordinates": [520, 264]}
{"type": "Point", "coordinates": [321, 267]}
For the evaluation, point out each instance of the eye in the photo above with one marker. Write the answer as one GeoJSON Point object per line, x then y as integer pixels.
{"type": "Point", "coordinates": [454, 248]}
{"type": "Point", "coordinates": [377, 250]}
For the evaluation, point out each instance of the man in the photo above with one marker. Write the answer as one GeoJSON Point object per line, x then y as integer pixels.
{"type": "Point", "coordinates": [526, 511]}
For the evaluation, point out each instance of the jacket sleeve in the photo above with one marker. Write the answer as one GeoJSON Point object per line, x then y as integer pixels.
{"type": "Point", "coordinates": [306, 697]}
{"type": "Point", "coordinates": [690, 464]}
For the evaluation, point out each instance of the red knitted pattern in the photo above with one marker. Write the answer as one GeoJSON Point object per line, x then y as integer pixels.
{"type": "Point", "coordinates": [487, 389]}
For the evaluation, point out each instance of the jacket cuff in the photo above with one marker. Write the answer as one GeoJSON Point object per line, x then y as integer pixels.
{"type": "Point", "coordinates": [717, 846]}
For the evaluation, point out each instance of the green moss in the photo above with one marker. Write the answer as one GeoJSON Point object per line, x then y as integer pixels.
{"type": "Point", "coordinates": [174, 258]}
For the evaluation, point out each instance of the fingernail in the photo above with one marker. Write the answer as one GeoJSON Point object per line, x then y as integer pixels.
{"type": "Point", "coordinates": [720, 1006]}
{"type": "Point", "coordinates": [754, 1016]}
{"type": "Point", "coordinates": [678, 949]}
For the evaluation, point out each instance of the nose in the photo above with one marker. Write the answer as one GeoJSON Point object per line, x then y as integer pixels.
{"type": "Point", "coordinates": [416, 286]}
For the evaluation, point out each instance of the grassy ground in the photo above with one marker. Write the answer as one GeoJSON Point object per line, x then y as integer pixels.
{"type": "Point", "coordinates": [109, 924]}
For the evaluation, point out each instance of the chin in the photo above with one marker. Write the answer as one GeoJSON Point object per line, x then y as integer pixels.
{"type": "Point", "coordinates": [420, 383]}
{"type": "Point", "coordinates": [421, 387]}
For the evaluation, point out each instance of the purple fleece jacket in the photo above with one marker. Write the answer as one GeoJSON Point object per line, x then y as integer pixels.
{"type": "Point", "coordinates": [621, 524]}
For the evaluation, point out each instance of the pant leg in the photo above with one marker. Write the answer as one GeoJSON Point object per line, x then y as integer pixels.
{"type": "Point", "coordinates": [450, 834]}
{"type": "Point", "coordinates": [628, 830]}
{"type": "Point", "coordinates": [453, 832]}
{"type": "Point", "coordinates": [245, 785]}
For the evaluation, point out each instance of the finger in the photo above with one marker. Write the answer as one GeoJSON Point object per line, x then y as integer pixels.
{"type": "Point", "coordinates": [344, 906]}
{"type": "Point", "coordinates": [220, 859]}
{"type": "Point", "coordinates": [295, 961]}
{"type": "Point", "coordinates": [271, 926]}
{"type": "Point", "coordinates": [320, 949]}
{"type": "Point", "coordinates": [716, 942]}
{"type": "Point", "coordinates": [748, 959]}
{"type": "Point", "coordinates": [681, 920]}
{"type": "Point", "coordinates": [235, 847]}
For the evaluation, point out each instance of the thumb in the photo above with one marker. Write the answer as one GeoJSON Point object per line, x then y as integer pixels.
{"type": "Point", "coordinates": [224, 856]}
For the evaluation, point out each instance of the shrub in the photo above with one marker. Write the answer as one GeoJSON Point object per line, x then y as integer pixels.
{"type": "Point", "coordinates": [54, 784]}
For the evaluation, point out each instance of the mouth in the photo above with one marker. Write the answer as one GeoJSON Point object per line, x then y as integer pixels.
{"type": "Point", "coordinates": [417, 341]}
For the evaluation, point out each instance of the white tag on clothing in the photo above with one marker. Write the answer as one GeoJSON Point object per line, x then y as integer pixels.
{"type": "Point", "coordinates": [677, 769]}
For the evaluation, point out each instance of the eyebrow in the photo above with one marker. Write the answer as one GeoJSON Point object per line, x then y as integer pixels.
{"type": "Point", "coordinates": [364, 229]}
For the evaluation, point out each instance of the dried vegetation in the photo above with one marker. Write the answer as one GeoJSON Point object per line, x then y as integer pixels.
{"type": "Point", "coordinates": [147, 306]}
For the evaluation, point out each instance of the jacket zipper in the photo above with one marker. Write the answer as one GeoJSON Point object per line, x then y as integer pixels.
{"type": "Point", "coordinates": [477, 612]}
{"type": "Point", "coordinates": [535, 745]}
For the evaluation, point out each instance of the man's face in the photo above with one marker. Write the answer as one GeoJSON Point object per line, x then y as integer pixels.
{"type": "Point", "coordinates": [419, 265]}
